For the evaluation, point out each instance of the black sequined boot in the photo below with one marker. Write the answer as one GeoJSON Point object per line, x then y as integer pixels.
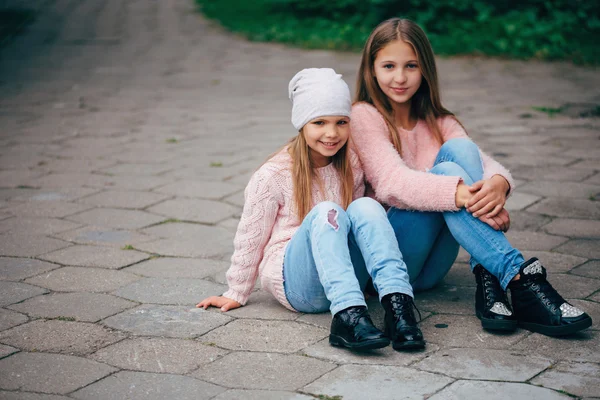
{"type": "Point", "coordinates": [538, 306]}
{"type": "Point", "coordinates": [491, 303]}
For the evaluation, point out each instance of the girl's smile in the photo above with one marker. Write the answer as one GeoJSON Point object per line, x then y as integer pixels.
{"type": "Point", "coordinates": [397, 71]}
{"type": "Point", "coordinates": [325, 136]}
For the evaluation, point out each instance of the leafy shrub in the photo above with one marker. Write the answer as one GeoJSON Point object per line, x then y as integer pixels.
{"type": "Point", "coordinates": [543, 29]}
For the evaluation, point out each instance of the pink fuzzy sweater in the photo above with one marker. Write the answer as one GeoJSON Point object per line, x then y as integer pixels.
{"type": "Point", "coordinates": [403, 182]}
{"type": "Point", "coordinates": [269, 221]}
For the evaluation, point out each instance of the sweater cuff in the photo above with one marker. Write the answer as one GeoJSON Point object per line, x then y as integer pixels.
{"type": "Point", "coordinates": [233, 295]}
{"type": "Point", "coordinates": [448, 200]}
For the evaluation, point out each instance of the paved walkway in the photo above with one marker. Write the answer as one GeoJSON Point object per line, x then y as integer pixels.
{"type": "Point", "coordinates": [128, 130]}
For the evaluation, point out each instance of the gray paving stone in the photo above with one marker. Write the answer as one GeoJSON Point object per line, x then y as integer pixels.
{"type": "Point", "coordinates": [124, 199]}
{"type": "Point", "coordinates": [576, 379]}
{"type": "Point", "coordinates": [37, 372]}
{"type": "Point", "coordinates": [591, 308]}
{"type": "Point", "coordinates": [71, 179]}
{"type": "Point", "coordinates": [48, 209]}
{"type": "Point", "coordinates": [235, 394]}
{"type": "Point", "coordinates": [519, 201]}
{"type": "Point", "coordinates": [83, 279]}
{"type": "Point", "coordinates": [575, 190]}
{"type": "Point", "coordinates": [183, 231]}
{"type": "Point", "coordinates": [534, 240]}
{"type": "Point", "coordinates": [65, 194]}
{"type": "Point", "coordinates": [28, 245]}
{"type": "Point", "coordinates": [567, 208]}
{"type": "Point", "coordinates": [173, 356]}
{"type": "Point", "coordinates": [449, 331]}
{"type": "Point", "coordinates": [582, 247]}
{"type": "Point", "coordinates": [170, 291]}
{"type": "Point", "coordinates": [590, 269]}
{"type": "Point", "coordinates": [322, 350]}
{"type": "Point", "coordinates": [594, 179]}
{"type": "Point", "coordinates": [474, 390]}
{"type": "Point", "coordinates": [56, 336]}
{"type": "Point", "coordinates": [138, 169]}
{"type": "Point", "coordinates": [15, 269]}
{"type": "Point", "coordinates": [6, 351]}
{"type": "Point", "coordinates": [555, 262]}
{"type": "Point", "coordinates": [14, 292]}
{"type": "Point", "coordinates": [8, 319]}
{"type": "Point", "coordinates": [35, 226]}
{"type": "Point", "coordinates": [115, 218]}
{"type": "Point", "coordinates": [262, 305]}
{"type": "Point", "coordinates": [459, 275]}
{"type": "Point", "coordinates": [203, 211]}
{"type": "Point", "coordinates": [349, 382]}
{"type": "Point", "coordinates": [30, 396]}
{"type": "Point", "coordinates": [447, 299]}
{"type": "Point", "coordinates": [322, 320]}
{"type": "Point", "coordinates": [95, 256]}
{"type": "Point", "coordinates": [263, 371]}
{"type": "Point", "coordinates": [170, 267]}
{"type": "Point", "coordinates": [103, 236]}
{"type": "Point", "coordinates": [573, 286]}
{"type": "Point", "coordinates": [137, 182]}
{"type": "Point", "coordinates": [236, 199]}
{"type": "Point", "coordinates": [230, 224]}
{"type": "Point", "coordinates": [580, 347]}
{"type": "Point", "coordinates": [17, 177]}
{"type": "Point", "coordinates": [168, 321]}
{"type": "Point", "coordinates": [579, 228]}
{"type": "Point", "coordinates": [189, 247]}
{"type": "Point", "coordinates": [147, 386]}
{"type": "Point", "coordinates": [85, 307]}
{"type": "Point", "coordinates": [199, 189]}
{"type": "Point", "coordinates": [526, 221]}
{"type": "Point", "coordinates": [487, 364]}
{"type": "Point", "coordinates": [264, 335]}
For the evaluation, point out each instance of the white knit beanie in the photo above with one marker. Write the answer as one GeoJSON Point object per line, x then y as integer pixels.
{"type": "Point", "coordinates": [318, 92]}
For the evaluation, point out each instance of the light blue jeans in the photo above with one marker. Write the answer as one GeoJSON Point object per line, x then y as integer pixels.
{"type": "Point", "coordinates": [429, 241]}
{"type": "Point", "coordinates": [334, 252]}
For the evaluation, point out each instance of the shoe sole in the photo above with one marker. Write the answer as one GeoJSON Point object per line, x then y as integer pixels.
{"type": "Point", "coordinates": [557, 330]}
{"type": "Point", "coordinates": [365, 345]}
{"type": "Point", "coordinates": [498, 325]}
{"type": "Point", "coordinates": [412, 345]}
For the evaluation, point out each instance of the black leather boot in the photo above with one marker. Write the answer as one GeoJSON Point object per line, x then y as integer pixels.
{"type": "Point", "coordinates": [354, 329]}
{"type": "Point", "coordinates": [400, 323]}
{"type": "Point", "coordinates": [538, 306]}
{"type": "Point", "coordinates": [491, 303]}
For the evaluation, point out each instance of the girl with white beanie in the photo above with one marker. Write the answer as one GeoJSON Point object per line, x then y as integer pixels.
{"type": "Point", "coordinates": [312, 237]}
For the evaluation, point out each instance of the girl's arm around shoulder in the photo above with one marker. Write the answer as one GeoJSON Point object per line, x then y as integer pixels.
{"type": "Point", "coordinates": [392, 180]}
{"type": "Point", "coordinates": [452, 129]}
{"type": "Point", "coordinates": [262, 200]}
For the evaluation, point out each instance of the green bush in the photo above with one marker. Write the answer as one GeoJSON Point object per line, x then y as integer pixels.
{"type": "Point", "coordinates": [543, 29]}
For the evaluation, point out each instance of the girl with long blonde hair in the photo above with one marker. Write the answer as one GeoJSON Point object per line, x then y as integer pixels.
{"type": "Point", "coordinates": [312, 237]}
{"type": "Point", "coordinates": [441, 189]}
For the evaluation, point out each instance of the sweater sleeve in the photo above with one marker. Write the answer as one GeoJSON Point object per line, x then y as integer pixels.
{"type": "Point", "coordinates": [452, 129]}
{"type": "Point", "coordinates": [254, 230]}
{"type": "Point", "coordinates": [358, 175]}
{"type": "Point", "coordinates": [392, 180]}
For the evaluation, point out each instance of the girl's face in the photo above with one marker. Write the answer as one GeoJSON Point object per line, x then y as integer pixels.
{"type": "Point", "coordinates": [326, 136]}
{"type": "Point", "coordinates": [397, 71]}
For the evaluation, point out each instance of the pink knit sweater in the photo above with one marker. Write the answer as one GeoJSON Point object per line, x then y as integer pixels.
{"type": "Point", "coordinates": [403, 182]}
{"type": "Point", "coordinates": [269, 221]}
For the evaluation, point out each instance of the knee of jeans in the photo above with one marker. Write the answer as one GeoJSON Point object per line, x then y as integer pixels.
{"type": "Point", "coordinates": [368, 207]}
{"type": "Point", "coordinates": [334, 215]}
{"type": "Point", "coordinates": [450, 168]}
{"type": "Point", "coordinates": [459, 147]}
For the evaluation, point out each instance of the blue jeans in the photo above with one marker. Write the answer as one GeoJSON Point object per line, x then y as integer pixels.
{"type": "Point", "coordinates": [429, 241]}
{"type": "Point", "coordinates": [330, 258]}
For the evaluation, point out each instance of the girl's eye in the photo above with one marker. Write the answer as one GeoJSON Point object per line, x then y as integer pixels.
{"type": "Point", "coordinates": [388, 66]}
{"type": "Point", "coordinates": [318, 122]}
{"type": "Point", "coordinates": [412, 66]}
{"type": "Point", "coordinates": [343, 122]}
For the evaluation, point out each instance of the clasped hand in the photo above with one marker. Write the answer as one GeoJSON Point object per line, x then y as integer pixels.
{"type": "Point", "coordinates": [485, 199]}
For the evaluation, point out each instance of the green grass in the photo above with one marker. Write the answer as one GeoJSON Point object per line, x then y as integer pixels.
{"type": "Point", "coordinates": [548, 110]}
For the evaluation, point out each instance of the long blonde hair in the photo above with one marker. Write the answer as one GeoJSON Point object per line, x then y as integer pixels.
{"type": "Point", "coordinates": [425, 104]}
{"type": "Point", "coordinates": [303, 174]}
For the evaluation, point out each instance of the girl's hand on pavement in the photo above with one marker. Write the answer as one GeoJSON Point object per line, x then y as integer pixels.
{"type": "Point", "coordinates": [500, 222]}
{"type": "Point", "coordinates": [489, 197]}
{"type": "Point", "coordinates": [224, 303]}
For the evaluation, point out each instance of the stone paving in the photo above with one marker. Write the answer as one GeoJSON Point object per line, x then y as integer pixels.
{"type": "Point", "coordinates": [128, 130]}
